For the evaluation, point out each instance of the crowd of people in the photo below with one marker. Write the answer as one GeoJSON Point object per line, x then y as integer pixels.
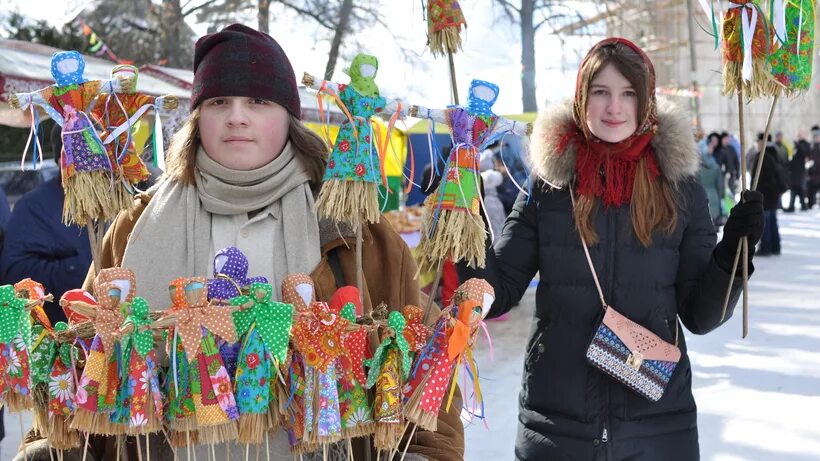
{"type": "Point", "coordinates": [792, 167]}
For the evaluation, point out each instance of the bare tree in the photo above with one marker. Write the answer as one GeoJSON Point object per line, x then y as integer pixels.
{"type": "Point", "coordinates": [531, 16]}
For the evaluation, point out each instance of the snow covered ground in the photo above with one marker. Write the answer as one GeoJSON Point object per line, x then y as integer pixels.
{"type": "Point", "coordinates": [758, 398]}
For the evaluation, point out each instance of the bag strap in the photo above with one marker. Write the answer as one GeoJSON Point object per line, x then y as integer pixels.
{"type": "Point", "coordinates": [595, 274]}
{"type": "Point", "coordinates": [589, 258]}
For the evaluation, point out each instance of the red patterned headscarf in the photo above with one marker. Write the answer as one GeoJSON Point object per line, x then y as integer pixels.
{"type": "Point", "coordinates": [607, 170]}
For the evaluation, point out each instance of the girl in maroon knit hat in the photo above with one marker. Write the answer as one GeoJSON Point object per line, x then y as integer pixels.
{"type": "Point", "coordinates": [244, 171]}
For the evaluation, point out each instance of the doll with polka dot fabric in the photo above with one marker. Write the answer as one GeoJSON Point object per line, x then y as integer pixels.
{"type": "Point", "coordinates": [264, 326]}
{"type": "Point", "coordinates": [15, 340]}
{"type": "Point", "coordinates": [317, 335]}
{"type": "Point", "coordinates": [432, 379]}
{"type": "Point", "coordinates": [140, 401]}
{"type": "Point", "coordinates": [41, 346]}
{"type": "Point", "coordinates": [389, 368]}
{"type": "Point", "coordinates": [298, 291]}
{"type": "Point", "coordinates": [354, 407]}
{"type": "Point", "coordinates": [97, 391]}
{"type": "Point", "coordinates": [92, 183]}
{"type": "Point", "coordinates": [229, 281]}
{"type": "Point", "coordinates": [196, 323]}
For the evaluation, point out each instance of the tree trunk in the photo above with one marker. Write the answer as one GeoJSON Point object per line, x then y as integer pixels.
{"type": "Point", "coordinates": [528, 98]}
{"type": "Point", "coordinates": [338, 36]}
{"type": "Point", "coordinates": [264, 15]}
{"type": "Point", "coordinates": [171, 21]}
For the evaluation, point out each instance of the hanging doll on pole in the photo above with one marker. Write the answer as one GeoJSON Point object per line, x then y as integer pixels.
{"type": "Point", "coordinates": [452, 225]}
{"type": "Point", "coordinates": [355, 168]}
{"type": "Point", "coordinates": [96, 397]}
{"type": "Point", "coordinates": [230, 280]}
{"type": "Point", "coordinates": [15, 344]}
{"type": "Point", "coordinates": [298, 291]}
{"type": "Point", "coordinates": [317, 335]}
{"type": "Point", "coordinates": [42, 348]}
{"type": "Point", "coordinates": [354, 407]}
{"type": "Point", "coordinates": [264, 327]}
{"type": "Point", "coordinates": [389, 369]}
{"type": "Point", "coordinates": [62, 390]}
{"type": "Point", "coordinates": [792, 62]}
{"type": "Point", "coordinates": [93, 188]}
{"type": "Point", "coordinates": [196, 323]}
{"type": "Point", "coordinates": [120, 113]}
{"type": "Point", "coordinates": [435, 373]}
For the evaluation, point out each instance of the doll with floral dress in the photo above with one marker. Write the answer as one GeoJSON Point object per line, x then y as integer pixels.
{"type": "Point", "coordinates": [354, 171]}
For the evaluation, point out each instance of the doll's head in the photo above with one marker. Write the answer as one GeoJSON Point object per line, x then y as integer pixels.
{"type": "Point", "coordinates": [67, 68]}
{"type": "Point", "coordinates": [481, 97]}
{"type": "Point", "coordinates": [362, 72]}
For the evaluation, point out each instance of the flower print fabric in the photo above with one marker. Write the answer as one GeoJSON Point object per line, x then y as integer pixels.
{"type": "Point", "coordinates": [354, 156]}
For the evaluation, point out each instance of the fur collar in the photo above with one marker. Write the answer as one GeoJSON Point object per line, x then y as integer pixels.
{"type": "Point", "coordinates": [674, 144]}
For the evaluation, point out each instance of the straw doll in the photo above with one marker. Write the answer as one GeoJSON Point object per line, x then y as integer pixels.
{"type": "Point", "coordinates": [196, 323]}
{"type": "Point", "coordinates": [452, 224]}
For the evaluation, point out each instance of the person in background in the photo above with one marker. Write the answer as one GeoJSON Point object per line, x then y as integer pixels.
{"type": "Point", "coordinates": [39, 246]}
{"type": "Point", "coordinates": [772, 185]}
{"type": "Point", "coordinates": [731, 147]}
{"type": "Point", "coordinates": [797, 173]}
{"type": "Point", "coordinates": [783, 151]}
{"type": "Point", "coordinates": [814, 168]}
{"type": "Point", "coordinates": [711, 178]}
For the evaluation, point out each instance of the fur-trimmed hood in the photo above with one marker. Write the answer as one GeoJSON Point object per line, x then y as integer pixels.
{"type": "Point", "coordinates": [674, 144]}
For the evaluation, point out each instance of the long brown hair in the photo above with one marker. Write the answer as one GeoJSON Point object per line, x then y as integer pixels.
{"type": "Point", "coordinates": [184, 144]}
{"type": "Point", "coordinates": [653, 206]}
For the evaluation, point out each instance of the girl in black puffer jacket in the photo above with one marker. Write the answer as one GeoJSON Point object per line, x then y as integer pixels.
{"type": "Point", "coordinates": [631, 162]}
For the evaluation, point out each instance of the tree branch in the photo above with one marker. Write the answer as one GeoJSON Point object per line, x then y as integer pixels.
{"type": "Point", "coordinates": [513, 13]}
{"type": "Point", "coordinates": [311, 14]}
{"type": "Point", "coordinates": [194, 9]}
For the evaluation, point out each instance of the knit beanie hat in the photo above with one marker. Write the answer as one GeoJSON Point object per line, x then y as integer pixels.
{"type": "Point", "coordinates": [240, 61]}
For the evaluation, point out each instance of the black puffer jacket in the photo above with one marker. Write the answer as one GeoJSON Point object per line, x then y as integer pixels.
{"type": "Point", "coordinates": [568, 409]}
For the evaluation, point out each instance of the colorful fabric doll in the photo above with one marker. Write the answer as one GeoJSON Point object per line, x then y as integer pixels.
{"type": "Point", "coordinates": [298, 291]}
{"type": "Point", "coordinates": [444, 22]}
{"type": "Point", "coordinates": [452, 224]}
{"type": "Point", "coordinates": [416, 333]}
{"type": "Point", "coordinates": [196, 323]}
{"type": "Point", "coordinates": [15, 336]}
{"type": "Point", "coordinates": [89, 178]}
{"type": "Point", "coordinates": [317, 335]}
{"type": "Point", "coordinates": [62, 388]}
{"type": "Point", "coordinates": [139, 400]}
{"type": "Point", "coordinates": [354, 170]}
{"type": "Point", "coordinates": [264, 326]}
{"type": "Point", "coordinates": [792, 62]}
{"type": "Point", "coordinates": [432, 377]}
{"type": "Point", "coordinates": [354, 406]}
{"type": "Point", "coordinates": [748, 42]}
{"type": "Point", "coordinates": [230, 278]}
{"type": "Point", "coordinates": [97, 391]}
{"type": "Point", "coordinates": [42, 347]}
{"type": "Point", "coordinates": [389, 368]}
{"type": "Point", "coordinates": [119, 113]}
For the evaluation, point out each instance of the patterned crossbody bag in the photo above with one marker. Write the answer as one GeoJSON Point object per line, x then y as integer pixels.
{"type": "Point", "coordinates": [628, 352]}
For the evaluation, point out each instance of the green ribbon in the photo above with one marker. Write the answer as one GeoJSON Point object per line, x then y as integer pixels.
{"type": "Point", "coordinates": [12, 316]}
{"type": "Point", "coordinates": [141, 337]}
{"type": "Point", "coordinates": [65, 351]}
{"type": "Point", "coordinates": [397, 323]}
{"type": "Point", "coordinates": [273, 320]}
{"type": "Point", "coordinates": [348, 312]}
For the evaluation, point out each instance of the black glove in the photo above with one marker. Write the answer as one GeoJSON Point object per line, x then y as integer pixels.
{"type": "Point", "coordinates": [745, 220]}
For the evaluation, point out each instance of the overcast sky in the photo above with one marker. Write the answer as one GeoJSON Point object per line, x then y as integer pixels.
{"type": "Point", "coordinates": [491, 51]}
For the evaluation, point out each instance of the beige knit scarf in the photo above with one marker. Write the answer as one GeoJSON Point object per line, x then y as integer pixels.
{"type": "Point", "coordinates": [172, 238]}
